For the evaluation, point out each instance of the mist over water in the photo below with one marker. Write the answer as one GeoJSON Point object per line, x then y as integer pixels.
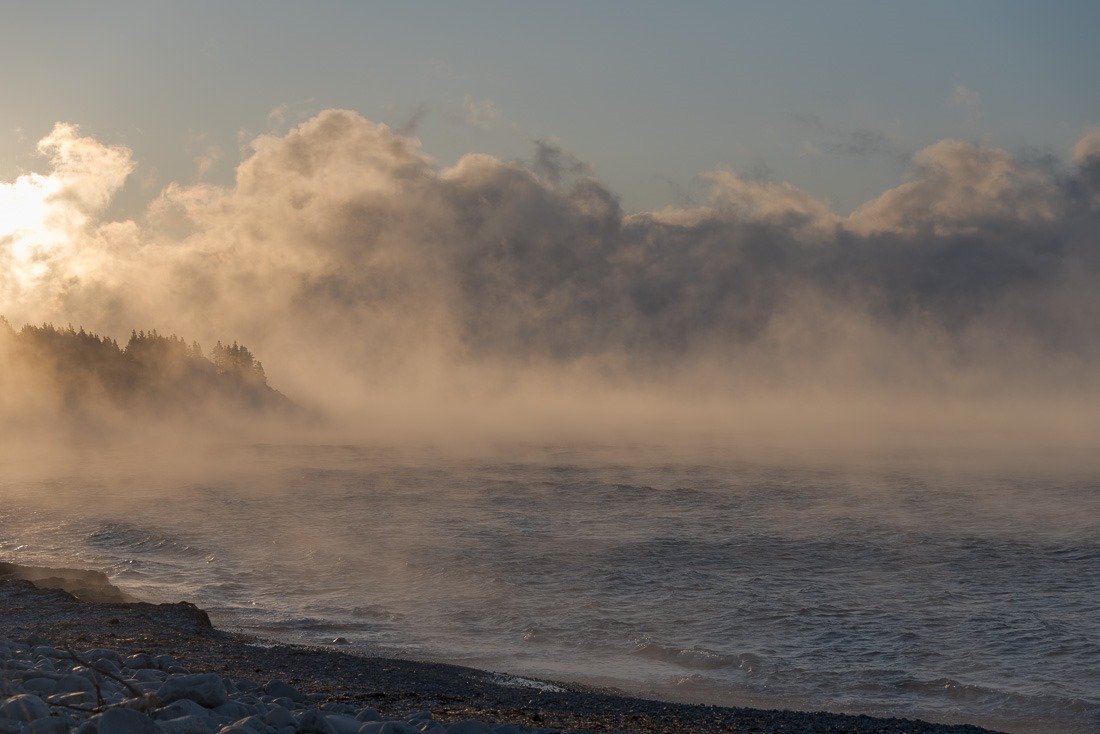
{"type": "Point", "coordinates": [359, 269]}
{"type": "Point", "coordinates": [743, 450]}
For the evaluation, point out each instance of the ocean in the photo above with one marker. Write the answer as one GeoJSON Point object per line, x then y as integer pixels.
{"type": "Point", "coordinates": [955, 593]}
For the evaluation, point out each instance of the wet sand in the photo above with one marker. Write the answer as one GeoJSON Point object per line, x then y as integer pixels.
{"type": "Point", "coordinates": [392, 686]}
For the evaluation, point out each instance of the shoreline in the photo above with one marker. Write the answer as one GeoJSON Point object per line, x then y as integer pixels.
{"type": "Point", "coordinates": [394, 687]}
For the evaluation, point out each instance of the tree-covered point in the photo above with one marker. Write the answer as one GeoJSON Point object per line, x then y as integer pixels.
{"type": "Point", "coordinates": [151, 373]}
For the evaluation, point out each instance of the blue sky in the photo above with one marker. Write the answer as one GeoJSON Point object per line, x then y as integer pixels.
{"type": "Point", "coordinates": [831, 97]}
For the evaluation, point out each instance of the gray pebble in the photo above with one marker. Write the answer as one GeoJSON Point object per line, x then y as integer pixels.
{"type": "Point", "coordinates": [180, 708]}
{"type": "Point", "coordinates": [139, 661]}
{"type": "Point", "coordinates": [24, 707]}
{"type": "Point", "coordinates": [368, 714]}
{"type": "Point", "coordinates": [470, 727]}
{"type": "Point", "coordinates": [203, 688]}
{"type": "Point", "coordinates": [40, 686]}
{"type": "Point", "coordinates": [106, 665]}
{"type": "Point", "coordinates": [102, 653]}
{"type": "Point", "coordinates": [281, 689]}
{"type": "Point", "coordinates": [343, 724]}
{"type": "Point", "coordinates": [314, 722]}
{"type": "Point", "coordinates": [279, 717]}
{"type": "Point", "coordinates": [49, 725]}
{"type": "Point", "coordinates": [388, 727]}
{"type": "Point", "coordinates": [233, 710]}
{"type": "Point", "coordinates": [45, 651]}
{"type": "Point", "coordinates": [188, 725]}
{"type": "Point", "coordinates": [164, 662]}
{"type": "Point", "coordinates": [77, 698]}
{"type": "Point", "coordinates": [74, 683]}
{"type": "Point", "coordinates": [253, 724]}
{"type": "Point", "coordinates": [125, 721]}
{"type": "Point", "coordinates": [285, 703]}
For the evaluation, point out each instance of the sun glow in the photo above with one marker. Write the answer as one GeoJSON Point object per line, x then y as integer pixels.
{"type": "Point", "coordinates": [43, 215]}
{"type": "Point", "coordinates": [29, 227]}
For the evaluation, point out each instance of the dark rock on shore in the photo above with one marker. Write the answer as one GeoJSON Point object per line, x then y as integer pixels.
{"type": "Point", "coordinates": [92, 586]}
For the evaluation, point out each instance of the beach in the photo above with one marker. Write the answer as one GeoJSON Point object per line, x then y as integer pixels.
{"type": "Point", "coordinates": [404, 690]}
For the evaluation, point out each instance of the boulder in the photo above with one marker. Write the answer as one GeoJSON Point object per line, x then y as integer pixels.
{"type": "Point", "coordinates": [206, 689]}
{"type": "Point", "coordinates": [125, 721]}
{"type": "Point", "coordinates": [315, 722]}
{"type": "Point", "coordinates": [25, 707]}
{"type": "Point", "coordinates": [280, 689]}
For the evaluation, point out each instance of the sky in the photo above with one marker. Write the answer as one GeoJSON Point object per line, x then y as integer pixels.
{"type": "Point", "coordinates": [831, 97]}
{"type": "Point", "coordinates": [398, 201]}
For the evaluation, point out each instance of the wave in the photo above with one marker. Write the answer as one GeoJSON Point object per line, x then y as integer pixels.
{"type": "Point", "coordinates": [1006, 707]}
{"type": "Point", "coordinates": [697, 658]}
{"type": "Point", "coordinates": [123, 537]}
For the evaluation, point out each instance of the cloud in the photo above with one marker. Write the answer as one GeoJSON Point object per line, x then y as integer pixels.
{"type": "Point", "coordinates": [206, 160]}
{"type": "Point", "coordinates": [481, 114]}
{"type": "Point", "coordinates": [960, 188]}
{"type": "Point", "coordinates": [1086, 155]}
{"type": "Point", "coordinates": [963, 96]}
{"type": "Point", "coordinates": [866, 143]}
{"type": "Point", "coordinates": [966, 99]}
{"type": "Point", "coordinates": [44, 218]}
{"type": "Point", "coordinates": [1087, 148]}
{"type": "Point", "coordinates": [278, 113]}
{"type": "Point", "coordinates": [350, 262]}
{"type": "Point", "coordinates": [861, 143]}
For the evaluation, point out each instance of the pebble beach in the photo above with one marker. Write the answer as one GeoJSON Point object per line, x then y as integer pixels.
{"type": "Point", "coordinates": [100, 664]}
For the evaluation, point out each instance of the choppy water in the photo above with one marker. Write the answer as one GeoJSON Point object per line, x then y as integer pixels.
{"type": "Point", "coordinates": [953, 596]}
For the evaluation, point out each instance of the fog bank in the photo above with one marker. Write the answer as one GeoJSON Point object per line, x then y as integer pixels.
{"type": "Point", "coordinates": [516, 298]}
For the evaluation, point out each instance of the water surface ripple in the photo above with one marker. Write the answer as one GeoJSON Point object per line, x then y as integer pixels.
{"type": "Point", "coordinates": [949, 596]}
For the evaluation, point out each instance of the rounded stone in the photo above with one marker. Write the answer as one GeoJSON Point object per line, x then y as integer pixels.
{"type": "Point", "coordinates": [74, 683]}
{"type": "Point", "coordinates": [181, 708]}
{"type": "Point", "coordinates": [252, 723]}
{"type": "Point", "coordinates": [315, 722]}
{"type": "Point", "coordinates": [48, 725]}
{"type": "Point", "coordinates": [24, 707]}
{"type": "Point", "coordinates": [368, 714]}
{"type": "Point", "coordinates": [281, 689]}
{"type": "Point", "coordinates": [388, 727]}
{"type": "Point", "coordinates": [188, 725]}
{"type": "Point", "coordinates": [343, 724]}
{"type": "Point", "coordinates": [470, 726]}
{"type": "Point", "coordinates": [206, 689]}
{"type": "Point", "coordinates": [164, 662]}
{"type": "Point", "coordinates": [139, 661]}
{"type": "Point", "coordinates": [41, 686]}
{"type": "Point", "coordinates": [279, 717]}
{"type": "Point", "coordinates": [102, 653]}
{"type": "Point", "coordinates": [76, 698]}
{"type": "Point", "coordinates": [125, 721]}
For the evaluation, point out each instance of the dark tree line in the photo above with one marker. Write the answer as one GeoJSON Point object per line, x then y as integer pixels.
{"type": "Point", "coordinates": [152, 372]}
